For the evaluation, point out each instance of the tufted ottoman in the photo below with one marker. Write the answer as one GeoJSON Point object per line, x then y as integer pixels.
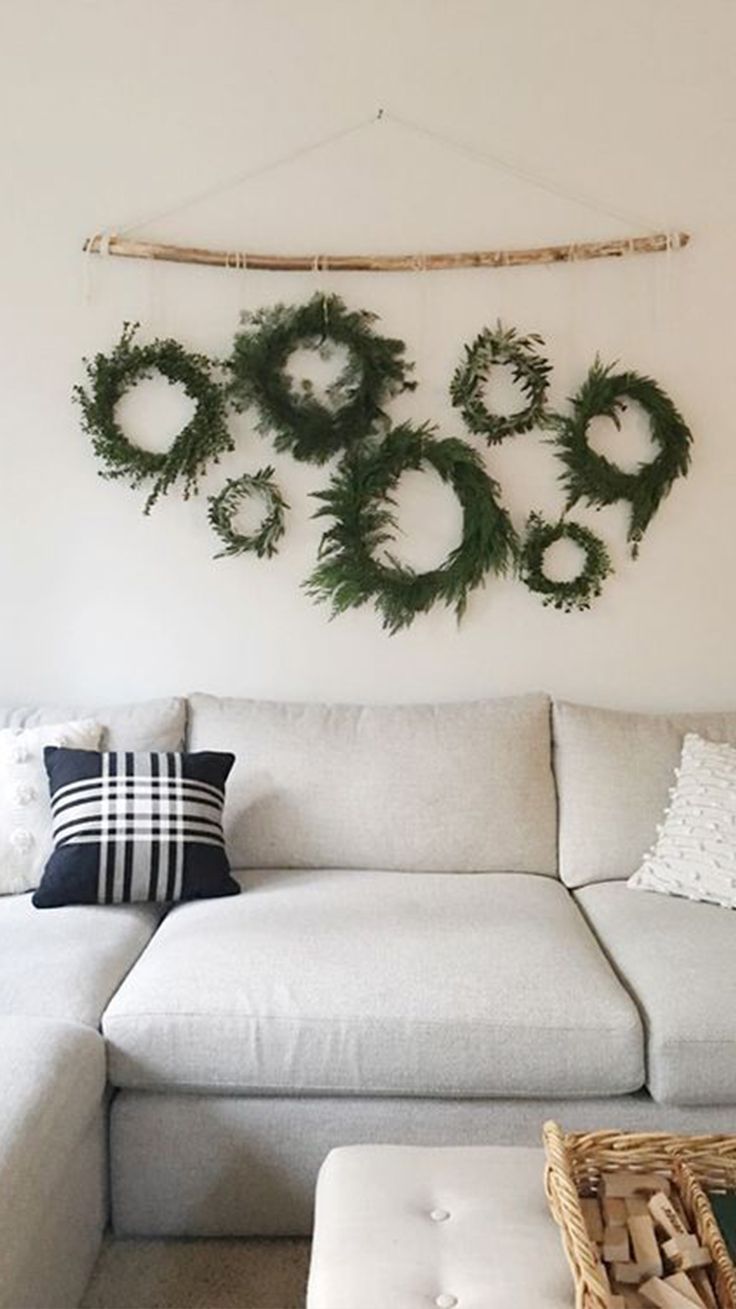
{"type": "Point", "coordinates": [435, 1228]}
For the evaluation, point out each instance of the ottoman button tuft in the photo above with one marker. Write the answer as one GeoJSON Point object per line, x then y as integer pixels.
{"type": "Point", "coordinates": [439, 1215]}
{"type": "Point", "coordinates": [446, 1301]}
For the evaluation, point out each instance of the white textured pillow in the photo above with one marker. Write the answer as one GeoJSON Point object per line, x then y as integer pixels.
{"type": "Point", "coordinates": [25, 811]}
{"type": "Point", "coordinates": [695, 854]}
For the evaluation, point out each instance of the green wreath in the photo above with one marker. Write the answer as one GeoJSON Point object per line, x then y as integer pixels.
{"type": "Point", "coordinates": [580, 591]}
{"type": "Point", "coordinates": [528, 368]}
{"type": "Point", "coordinates": [591, 477]}
{"type": "Point", "coordinates": [360, 502]}
{"type": "Point", "coordinates": [310, 430]}
{"type": "Point", "coordinates": [223, 507]}
{"type": "Point", "coordinates": [204, 438]}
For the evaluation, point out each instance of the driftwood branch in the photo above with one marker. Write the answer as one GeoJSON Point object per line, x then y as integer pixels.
{"type": "Point", "coordinates": [548, 254]}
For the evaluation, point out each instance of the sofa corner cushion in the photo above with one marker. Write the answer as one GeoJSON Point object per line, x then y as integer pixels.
{"type": "Point", "coordinates": [377, 983]}
{"type": "Point", "coordinates": [144, 725]}
{"type": "Point", "coordinates": [614, 771]}
{"type": "Point", "coordinates": [678, 959]}
{"type": "Point", "coordinates": [66, 963]}
{"type": "Point", "coordinates": [467, 787]}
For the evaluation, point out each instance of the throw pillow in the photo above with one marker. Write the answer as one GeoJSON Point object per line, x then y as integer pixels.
{"type": "Point", "coordinates": [25, 816]}
{"type": "Point", "coordinates": [132, 826]}
{"type": "Point", "coordinates": [695, 853]}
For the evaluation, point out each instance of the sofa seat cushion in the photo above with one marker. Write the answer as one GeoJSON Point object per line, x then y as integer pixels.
{"type": "Point", "coordinates": [67, 963]}
{"type": "Point", "coordinates": [678, 959]}
{"type": "Point", "coordinates": [413, 788]}
{"type": "Point", "coordinates": [351, 982]}
{"type": "Point", "coordinates": [52, 1085]}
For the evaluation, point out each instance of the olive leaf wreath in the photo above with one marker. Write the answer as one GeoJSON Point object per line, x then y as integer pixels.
{"type": "Point", "coordinates": [223, 507]}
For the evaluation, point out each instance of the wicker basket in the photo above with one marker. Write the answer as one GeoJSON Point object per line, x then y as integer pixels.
{"type": "Point", "coordinates": [575, 1164]}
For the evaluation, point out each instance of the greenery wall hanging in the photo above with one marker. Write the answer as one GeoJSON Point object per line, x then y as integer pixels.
{"type": "Point", "coordinates": [502, 346]}
{"type": "Point", "coordinates": [359, 500]}
{"type": "Point", "coordinates": [591, 477]}
{"type": "Point", "coordinates": [580, 591]}
{"type": "Point", "coordinates": [300, 423]}
{"type": "Point", "coordinates": [203, 440]}
{"type": "Point", "coordinates": [223, 507]}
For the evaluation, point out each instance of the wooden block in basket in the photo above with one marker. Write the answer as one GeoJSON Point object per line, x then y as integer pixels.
{"type": "Point", "coordinates": [577, 1165]}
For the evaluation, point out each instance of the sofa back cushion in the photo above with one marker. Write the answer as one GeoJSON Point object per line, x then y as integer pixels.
{"type": "Point", "coordinates": [450, 787]}
{"type": "Point", "coordinates": [614, 773]}
{"type": "Point", "coordinates": [147, 725]}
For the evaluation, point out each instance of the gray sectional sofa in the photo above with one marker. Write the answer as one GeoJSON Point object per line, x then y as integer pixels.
{"type": "Point", "coordinates": [435, 944]}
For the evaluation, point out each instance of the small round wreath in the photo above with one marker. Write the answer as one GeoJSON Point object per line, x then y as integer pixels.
{"type": "Point", "coordinates": [359, 500]}
{"type": "Point", "coordinates": [528, 368]}
{"type": "Point", "coordinates": [580, 591]}
{"type": "Point", "coordinates": [591, 477]}
{"type": "Point", "coordinates": [310, 430]}
{"type": "Point", "coordinates": [204, 438]}
{"type": "Point", "coordinates": [223, 507]}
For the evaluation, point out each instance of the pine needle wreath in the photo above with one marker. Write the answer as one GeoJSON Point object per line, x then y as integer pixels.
{"type": "Point", "coordinates": [591, 477]}
{"type": "Point", "coordinates": [311, 430]}
{"type": "Point", "coordinates": [204, 438]}
{"type": "Point", "coordinates": [529, 369]}
{"type": "Point", "coordinates": [359, 499]}
{"type": "Point", "coordinates": [223, 507]}
{"type": "Point", "coordinates": [580, 591]}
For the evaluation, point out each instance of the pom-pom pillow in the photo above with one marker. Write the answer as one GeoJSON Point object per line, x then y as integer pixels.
{"type": "Point", "coordinates": [132, 826]}
{"type": "Point", "coordinates": [25, 815]}
{"type": "Point", "coordinates": [695, 853]}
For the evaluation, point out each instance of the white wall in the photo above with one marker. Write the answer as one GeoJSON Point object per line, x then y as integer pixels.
{"type": "Point", "coordinates": [112, 109]}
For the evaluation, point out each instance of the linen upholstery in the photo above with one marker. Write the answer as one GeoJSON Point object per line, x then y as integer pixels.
{"type": "Point", "coordinates": [377, 983]}
{"type": "Point", "coordinates": [52, 1193]}
{"type": "Point", "coordinates": [147, 725]}
{"type": "Point", "coordinates": [678, 959]}
{"type": "Point", "coordinates": [461, 787]}
{"type": "Point", "coordinates": [376, 1242]}
{"type": "Point", "coordinates": [614, 771]}
{"type": "Point", "coordinates": [218, 1165]}
{"type": "Point", "coordinates": [67, 964]}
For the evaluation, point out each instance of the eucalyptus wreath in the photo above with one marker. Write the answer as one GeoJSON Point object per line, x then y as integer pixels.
{"type": "Point", "coordinates": [311, 430]}
{"type": "Point", "coordinates": [359, 500]}
{"type": "Point", "coordinates": [580, 591]}
{"type": "Point", "coordinates": [204, 438]}
{"type": "Point", "coordinates": [591, 477]}
{"type": "Point", "coordinates": [223, 507]}
{"type": "Point", "coordinates": [502, 345]}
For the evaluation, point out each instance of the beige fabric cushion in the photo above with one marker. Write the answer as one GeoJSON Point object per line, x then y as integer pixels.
{"type": "Point", "coordinates": [614, 772]}
{"type": "Point", "coordinates": [148, 725]}
{"type": "Point", "coordinates": [466, 787]}
{"type": "Point", "coordinates": [370, 983]}
{"type": "Point", "coordinates": [678, 960]}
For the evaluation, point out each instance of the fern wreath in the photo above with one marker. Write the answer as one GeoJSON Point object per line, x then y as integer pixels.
{"type": "Point", "coordinates": [359, 500]}
{"type": "Point", "coordinates": [222, 508]}
{"type": "Point", "coordinates": [591, 477]}
{"type": "Point", "coordinates": [580, 591]}
{"type": "Point", "coordinates": [202, 440]}
{"type": "Point", "coordinates": [502, 345]}
{"type": "Point", "coordinates": [309, 429]}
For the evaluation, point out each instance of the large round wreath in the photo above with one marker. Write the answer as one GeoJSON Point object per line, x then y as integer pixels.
{"type": "Point", "coordinates": [581, 590]}
{"type": "Point", "coordinates": [223, 507]}
{"type": "Point", "coordinates": [204, 438]}
{"type": "Point", "coordinates": [359, 499]}
{"type": "Point", "coordinates": [528, 368]}
{"type": "Point", "coordinates": [309, 429]}
{"type": "Point", "coordinates": [595, 479]}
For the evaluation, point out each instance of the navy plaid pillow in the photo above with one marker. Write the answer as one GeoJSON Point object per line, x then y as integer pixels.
{"type": "Point", "coordinates": [131, 826]}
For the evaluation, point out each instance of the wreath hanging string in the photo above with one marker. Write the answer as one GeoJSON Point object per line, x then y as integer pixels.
{"type": "Point", "coordinates": [309, 429]}
{"type": "Point", "coordinates": [201, 441]}
{"type": "Point", "coordinates": [591, 477]}
{"type": "Point", "coordinates": [223, 507]}
{"type": "Point", "coordinates": [359, 500]}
